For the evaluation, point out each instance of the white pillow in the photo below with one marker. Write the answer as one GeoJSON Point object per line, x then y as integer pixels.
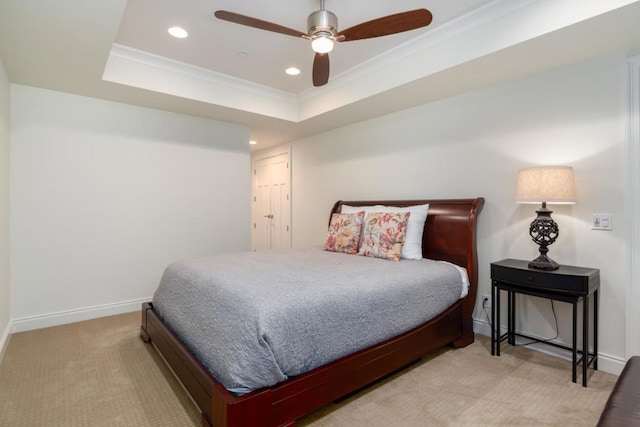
{"type": "Point", "coordinates": [412, 248]}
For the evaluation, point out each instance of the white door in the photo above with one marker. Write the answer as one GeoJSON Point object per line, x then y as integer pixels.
{"type": "Point", "coordinates": [271, 199]}
{"type": "Point", "coordinates": [262, 201]}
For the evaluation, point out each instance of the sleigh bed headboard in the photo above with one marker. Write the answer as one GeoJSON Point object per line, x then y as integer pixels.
{"type": "Point", "coordinates": [449, 233]}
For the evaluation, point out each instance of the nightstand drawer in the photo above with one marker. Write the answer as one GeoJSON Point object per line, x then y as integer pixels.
{"type": "Point", "coordinates": [570, 280]}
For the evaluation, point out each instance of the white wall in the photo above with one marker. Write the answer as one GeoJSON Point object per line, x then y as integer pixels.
{"type": "Point", "coordinates": [473, 145]}
{"type": "Point", "coordinates": [5, 294]}
{"type": "Point", "coordinates": [105, 195]}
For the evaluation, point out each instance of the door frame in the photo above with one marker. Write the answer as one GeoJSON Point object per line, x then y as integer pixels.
{"type": "Point", "coordinates": [632, 306]}
{"type": "Point", "coordinates": [262, 155]}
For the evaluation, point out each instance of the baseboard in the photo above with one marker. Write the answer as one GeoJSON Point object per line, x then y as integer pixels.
{"type": "Point", "coordinates": [606, 362]}
{"type": "Point", "coordinates": [4, 340]}
{"type": "Point", "coordinates": [77, 315]}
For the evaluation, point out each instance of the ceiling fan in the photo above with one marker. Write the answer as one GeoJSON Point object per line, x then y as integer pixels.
{"type": "Point", "coordinates": [323, 31]}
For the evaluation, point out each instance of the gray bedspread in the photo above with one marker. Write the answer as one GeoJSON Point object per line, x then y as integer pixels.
{"type": "Point", "coordinates": [257, 318]}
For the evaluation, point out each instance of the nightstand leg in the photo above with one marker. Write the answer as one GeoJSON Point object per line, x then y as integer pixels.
{"type": "Point", "coordinates": [595, 330]}
{"type": "Point", "coordinates": [585, 339]}
{"type": "Point", "coordinates": [574, 355]}
{"type": "Point", "coordinates": [497, 324]}
{"type": "Point", "coordinates": [512, 318]}
{"type": "Point", "coordinates": [509, 317]}
{"type": "Point", "coordinates": [493, 318]}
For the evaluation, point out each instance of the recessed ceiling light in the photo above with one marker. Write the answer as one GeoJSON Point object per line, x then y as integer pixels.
{"type": "Point", "coordinates": [178, 32]}
{"type": "Point", "coordinates": [292, 71]}
{"type": "Point", "coordinates": [252, 142]}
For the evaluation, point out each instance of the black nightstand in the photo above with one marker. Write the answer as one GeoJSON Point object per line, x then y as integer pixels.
{"type": "Point", "coordinates": [568, 284]}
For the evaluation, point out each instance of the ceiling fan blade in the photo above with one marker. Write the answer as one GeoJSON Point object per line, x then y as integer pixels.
{"type": "Point", "coordinates": [225, 15]}
{"type": "Point", "coordinates": [321, 69]}
{"type": "Point", "coordinates": [387, 25]}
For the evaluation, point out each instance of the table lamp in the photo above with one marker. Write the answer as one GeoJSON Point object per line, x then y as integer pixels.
{"type": "Point", "coordinates": [545, 184]}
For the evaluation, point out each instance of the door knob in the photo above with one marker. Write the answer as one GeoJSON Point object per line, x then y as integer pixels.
{"type": "Point", "coordinates": [270, 216]}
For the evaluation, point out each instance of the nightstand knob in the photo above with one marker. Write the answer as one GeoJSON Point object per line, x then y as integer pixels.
{"type": "Point", "coordinates": [530, 278]}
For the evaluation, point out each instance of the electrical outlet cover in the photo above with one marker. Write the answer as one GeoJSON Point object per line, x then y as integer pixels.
{"type": "Point", "coordinates": [486, 301]}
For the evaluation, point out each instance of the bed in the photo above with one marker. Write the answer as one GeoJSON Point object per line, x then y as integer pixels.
{"type": "Point", "coordinates": [449, 235]}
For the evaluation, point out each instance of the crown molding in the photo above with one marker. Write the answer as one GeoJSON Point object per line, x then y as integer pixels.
{"type": "Point", "coordinates": [145, 70]}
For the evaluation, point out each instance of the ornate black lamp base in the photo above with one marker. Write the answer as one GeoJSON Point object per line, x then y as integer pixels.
{"type": "Point", "coordinates": [543, 262]}
{"type": "Point", "coordinates": [544, 231]}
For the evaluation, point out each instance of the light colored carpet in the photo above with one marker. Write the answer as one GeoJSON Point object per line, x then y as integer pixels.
{"type": "Point", "coordinates": [93, 373]}
{"type": "Point", "coordinates": [99, 373]}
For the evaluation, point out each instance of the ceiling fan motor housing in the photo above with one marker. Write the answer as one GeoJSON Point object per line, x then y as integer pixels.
{"type": "Point", "coordinates": [322, 23]}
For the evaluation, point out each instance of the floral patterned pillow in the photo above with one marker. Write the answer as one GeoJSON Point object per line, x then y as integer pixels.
{"type": "Point", "coordinates": [384, 234]}
{"type": "Point", "coordinates": [344, 232]}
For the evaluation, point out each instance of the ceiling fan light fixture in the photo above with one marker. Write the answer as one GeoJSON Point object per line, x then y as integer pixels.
{"type": "Point", "coordinates": [322, 44]}
{"type": "Point", "coordinates": [321, 26]}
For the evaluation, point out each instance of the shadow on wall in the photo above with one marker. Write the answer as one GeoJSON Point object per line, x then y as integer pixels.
{"type": "Point", "coordinates": [114, 119]}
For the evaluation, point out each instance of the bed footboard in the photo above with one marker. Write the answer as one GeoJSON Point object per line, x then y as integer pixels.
{"type": "Point", "coordinates": [282, 404]}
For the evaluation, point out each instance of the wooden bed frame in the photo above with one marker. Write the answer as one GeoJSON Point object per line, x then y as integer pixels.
{"type": "Point", "coordinates": [450, 235]}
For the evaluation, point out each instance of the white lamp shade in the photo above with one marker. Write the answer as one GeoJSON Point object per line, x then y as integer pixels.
{"type": "Point", "coordinates": [550, 184]}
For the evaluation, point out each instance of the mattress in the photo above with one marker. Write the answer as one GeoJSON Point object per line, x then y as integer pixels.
{"type": "Point", "coordinates": [255, 319]}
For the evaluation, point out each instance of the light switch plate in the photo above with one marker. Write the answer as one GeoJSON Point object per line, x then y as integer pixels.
{"type": "Point", "coordinates": [601, 222]}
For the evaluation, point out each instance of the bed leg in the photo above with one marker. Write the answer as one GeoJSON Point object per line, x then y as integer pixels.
{"type": "Point", "coordinates": [143, 323]}
{"type": "Point", "coordinates": [144, 335]}
{"type": "Point", "coordinates": [464, 340]}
